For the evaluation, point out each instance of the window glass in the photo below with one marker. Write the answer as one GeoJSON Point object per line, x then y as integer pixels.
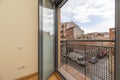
{"type": "Point", "coordinates": [48, 38]}
{"type": "Point", "coordinates": [87, 40]}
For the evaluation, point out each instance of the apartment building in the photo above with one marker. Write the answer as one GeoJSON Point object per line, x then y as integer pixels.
{"type": "Point", "coordinates": [112, 54]}
{"type": "Point", "coordinates": [70, 33]}
{"type": "Point", "coordinates": [63, 31]}
{"type": "Point", "coordinates": [70, 30]}
{"type": "Point", "coordinates": [112, 35]}
{"type": "Point", "coordinates": [95, 36]}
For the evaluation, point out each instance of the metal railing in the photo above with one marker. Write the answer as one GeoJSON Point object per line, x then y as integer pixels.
{"type": "Point", "coordinates": [93, 58]}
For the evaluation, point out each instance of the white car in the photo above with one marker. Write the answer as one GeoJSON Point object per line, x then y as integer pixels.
{"type": "Point", "coordinates": [81, 61]}
{"type": "Point", "coordinates": [77, 58]}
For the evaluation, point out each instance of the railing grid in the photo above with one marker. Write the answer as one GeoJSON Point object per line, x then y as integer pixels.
{"type": "Point", "coordinates": [93, 58]}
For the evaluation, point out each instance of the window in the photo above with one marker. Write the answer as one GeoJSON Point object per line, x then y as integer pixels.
{"type": "Point", "coordinates": [46, 37]}
{"type": "Point", "coordinates": [99, 52]}
{"type": "Point", "coordinates": [95, 21]}
{"type": "Point", "coordinates": [62, 26]}
{"type": "Point", "coordinates": [61, 31]}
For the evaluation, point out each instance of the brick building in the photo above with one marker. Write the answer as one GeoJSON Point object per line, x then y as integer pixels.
{"type": "Point", "coordinates": [69, 30]}
{"type": "Point", "coordinates": [112, 52]}
{"type": "Point", "coordinates": [70, 33]}
{"type": "Point", "coordinates": [95, 36]}
{"type": "Point", "coordinates": [112, 35]}
{"type": "Point", "coordinates": [63, 31]}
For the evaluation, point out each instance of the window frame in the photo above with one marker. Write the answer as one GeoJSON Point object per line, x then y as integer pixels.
{"type": "Point", "coordinates": [40, 39]}
{"type": "Point", "coordinates": [56, 43]}
{"type": "Point", "coordinates": [117, 39]}
{"type": "Point", "coordinates": [40, 49]}
{"type": "Point", "coordinates": [117, 42]}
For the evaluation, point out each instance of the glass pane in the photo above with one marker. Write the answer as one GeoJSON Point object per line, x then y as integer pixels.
{"type": "Point", "coordinates": [48, 38]}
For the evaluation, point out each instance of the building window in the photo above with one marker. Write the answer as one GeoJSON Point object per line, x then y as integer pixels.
{"type": "Point", "coordinates": [62, 26]}
{"type": "Point", "coordinates": [61, 32]}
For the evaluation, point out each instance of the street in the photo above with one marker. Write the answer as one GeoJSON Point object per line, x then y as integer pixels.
{"type": "Point", "coordinates": [98, 71]}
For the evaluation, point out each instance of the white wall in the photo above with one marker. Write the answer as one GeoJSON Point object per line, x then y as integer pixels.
{"type": "Point", "coordinates": [18, 38]}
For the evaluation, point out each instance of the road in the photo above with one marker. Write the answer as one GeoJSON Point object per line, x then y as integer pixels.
{"type": "Point", "coordinates": [98, 71]}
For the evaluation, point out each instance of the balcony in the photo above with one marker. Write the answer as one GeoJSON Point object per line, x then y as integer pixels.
{"type": "Point", "coordinates": [88, 59]}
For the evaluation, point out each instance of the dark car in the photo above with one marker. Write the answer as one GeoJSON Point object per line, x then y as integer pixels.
{"type": "Point", "coordinates": [93, 60]}
{"type": "Point", "coordinates": [102, 54]}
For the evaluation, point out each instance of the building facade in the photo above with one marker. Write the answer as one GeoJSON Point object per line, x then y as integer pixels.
{"type": "Point", "coordinates": [112, 33]}
{"type": "Point", "coordinates": [70, 30]}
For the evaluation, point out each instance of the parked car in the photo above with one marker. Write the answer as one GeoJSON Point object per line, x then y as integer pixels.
{"type": "Point", "coordinates": [81, 61]}
{"type": "Point", "coordinates": [102, 54]}
{"type": "Point", "coordinates": [74, 56]}
{"type": "Point", "coordinates": [93, 60]}
{"type": "Point", "coordinates": [64, 54]}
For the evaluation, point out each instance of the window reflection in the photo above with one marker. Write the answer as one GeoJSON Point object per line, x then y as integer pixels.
{"type": "Point", "coordinates": [48, 20]}
{"type": "Point", "coordinates": [48, 38]}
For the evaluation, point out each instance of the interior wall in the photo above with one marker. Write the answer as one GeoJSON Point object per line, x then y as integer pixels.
{"type": "Point", "coordinates": [18, 38]}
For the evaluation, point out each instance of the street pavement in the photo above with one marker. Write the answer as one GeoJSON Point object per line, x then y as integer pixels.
{"type": "Point", "coordinates": [98, 71]}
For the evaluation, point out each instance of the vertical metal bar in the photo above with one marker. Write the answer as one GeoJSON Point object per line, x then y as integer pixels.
{"type": "Point", "coordinates": [117, 40]}
{"type": "Point", "coordinates": [73, 55]}
{"type": "Point", "coordinates": [96, 64]}
{"type": "Point", "coordinates": [114, 62]}
{"type": "Point", "coordinates": [103, 64]}
{"type": "Point", "coordinates": [66, 51]}
{"type": "Point", "coordinates": [111, 63]}
{"type": "Point", "coordinates": [106, 69]}
{"type": "Point", "coordinates": [56, 38]}
{"type": "Point", "coordinates": [85, 60]}
{"type": "Point", "coordinates": [40, 39]}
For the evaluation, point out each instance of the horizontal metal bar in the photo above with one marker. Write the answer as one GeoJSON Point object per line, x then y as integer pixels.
{"type": "Point", "coordinates": [94, 45]}
{"type": "Point", "coordinates": [89, 40]}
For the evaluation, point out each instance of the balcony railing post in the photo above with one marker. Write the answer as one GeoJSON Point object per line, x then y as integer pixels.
{"type": "Point", "coordinates": [66, 51]}
{"type": "Point", "coordinates": [85, 59]}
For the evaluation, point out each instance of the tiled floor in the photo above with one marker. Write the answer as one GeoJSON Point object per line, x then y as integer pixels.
{"type": "Point", "coordinates": [73, 72]}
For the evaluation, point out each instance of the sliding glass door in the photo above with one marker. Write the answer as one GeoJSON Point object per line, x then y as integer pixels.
{"type": "Point", "coordinates": [46, 38]}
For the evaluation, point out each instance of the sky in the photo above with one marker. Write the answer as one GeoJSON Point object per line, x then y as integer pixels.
{"type": "Point", "coordinates": [90, 15]}
{"type": "Point", "coordinates": [48, 20]}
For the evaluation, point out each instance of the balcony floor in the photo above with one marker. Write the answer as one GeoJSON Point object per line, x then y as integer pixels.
{"type": "Point", "coordinates": [75, 75]}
